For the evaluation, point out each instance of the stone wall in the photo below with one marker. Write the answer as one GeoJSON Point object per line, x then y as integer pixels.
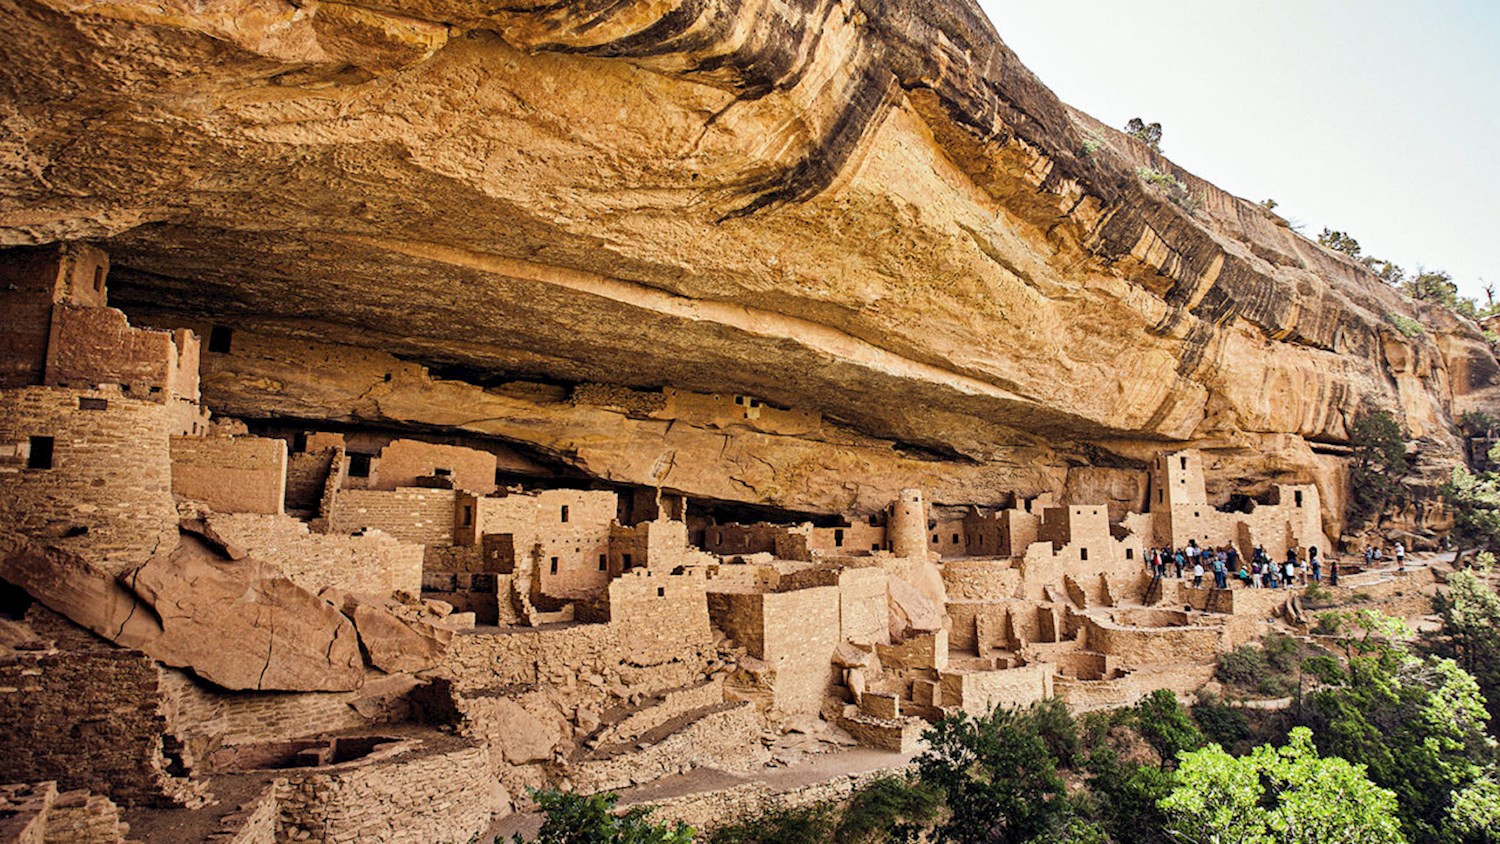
{"type": "Point", "coordinates": [402, 462]}
{"type": "Point", "coordinates": [440, 793]}
{"type": "Point", "coordinates": [978, 692]}
{"type": "Point", "coordinates": [306, 476]}
{"type": "Point", "coordinates": [864, 608]}
{"type": "Point", "coordinates": [421, 516]}
{"type": "Point", "coordinates": [981, 580]}
{"type": "Point", "coordinates": [726, 739]}
{"type": "Point", "coordinates": [231, 474]}
{"type": "Point", "coordinates": [1150, 645]}
{"type": "Point", "coordinates": [658, 617]}
{"type": "Point", "coordinates": [108, 492]}
{"type": "Point", "coordinates": [707, 811]}
{"type": "Point", "coordinates": [801, 631]}
{"type": "Point", "coordinates": [205, 718]}
{"type": "Point", "coordinates": [372, 563]}
{"type": "Point", "coordinates": [89, 719]}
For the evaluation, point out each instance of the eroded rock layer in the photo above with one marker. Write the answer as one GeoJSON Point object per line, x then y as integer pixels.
{"type": "Point", "coordinates": [866, 212]}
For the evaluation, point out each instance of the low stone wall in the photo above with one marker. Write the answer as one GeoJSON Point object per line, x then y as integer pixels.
{"type": "Point", "coordinates": [979, 692]}
{"type": "Point", "coordinates": [728, 740]}
{"type": "Point", "coordinates": [253, 822]}
{"type": "Point", "coordinates": [374, 563]}
{"type": "Point", "coordinates": [1147, 645]}
{"type": "Point", "coordinates": [205, 718]}
{"type": "Point", "coordinates": [707, 811]}
{"type": "Point", "coordinates": [440, 793]}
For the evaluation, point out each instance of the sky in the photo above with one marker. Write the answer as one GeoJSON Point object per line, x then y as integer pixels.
{"type": "Point", "coordinates": [1378, 118]}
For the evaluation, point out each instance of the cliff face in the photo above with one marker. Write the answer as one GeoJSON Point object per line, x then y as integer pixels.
{"type": "Point", "coordinates": [867, 212]}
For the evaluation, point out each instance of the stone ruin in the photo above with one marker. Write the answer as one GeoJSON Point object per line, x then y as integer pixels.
{"type": "Point", "coordinates": [344, 635]}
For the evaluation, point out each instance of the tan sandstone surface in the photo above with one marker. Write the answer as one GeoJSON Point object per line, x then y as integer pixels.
{"type": "Point", "coordinates": [869, 211]}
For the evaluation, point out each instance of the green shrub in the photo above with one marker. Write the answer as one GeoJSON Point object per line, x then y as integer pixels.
{"type": "Point", "coordinates": [1244, 666]}
{"type": "Point", "coordinates": [1221, 723]}
{"type": "Point", "coordinates": [1406, 325]}
{"type": "Point", "coordinates": [1161, 721]}
{"type": "Point", "coordinates": [1328, 623]}
{"type": "Point", "coordinates": [1173, 187]}
{"type": "Point", "coordinates": [575, 819]}
{"type": "Point", "coordinates": [889, 809]}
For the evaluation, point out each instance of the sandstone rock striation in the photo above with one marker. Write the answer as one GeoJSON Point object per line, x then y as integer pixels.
{"type": "Point", "coordinates": [867, 210]}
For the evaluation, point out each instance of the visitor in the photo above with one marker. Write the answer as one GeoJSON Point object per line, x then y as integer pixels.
{"type": "Point", "coordinates": [1198, 574]}
{"type": "Point", "coordinates": [1291, 568]}
{"type": "Point", "coordinates": [1243, 576]}
{"type": "Point", "coordinates": [1333, 572]}
{"type": "Point", "coordinates": [1257, 574]}
{"type": "Point", "coordinates": [1221, 580]}
{"type": "Point", "coordinates": [1315, 564]}
{"type": "Point", "coordinates": [1369, 556]}
{"type": "Point", "coordinates": [1400, 556]}
{"type": "Point", "coordinates": [1180, 561]}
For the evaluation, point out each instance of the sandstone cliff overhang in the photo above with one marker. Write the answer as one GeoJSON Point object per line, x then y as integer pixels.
{"type": "Point", "coordinates": [866, 209]}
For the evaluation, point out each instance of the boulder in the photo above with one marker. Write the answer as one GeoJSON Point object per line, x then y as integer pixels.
{"type": "Point", "coordinates": [911, 612]}
{"type": "Point", "coordinates": [237, 624]}
{"type": "Point", "coordinates": [70, 585]}
{"type": "Point", "coordinates": [394, 645]}
{"type": "Point", "coordinates": [242, 625]}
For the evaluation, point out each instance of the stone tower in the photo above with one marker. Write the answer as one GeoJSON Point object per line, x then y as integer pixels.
{"type": "Point", "coordinates": [908, 526]}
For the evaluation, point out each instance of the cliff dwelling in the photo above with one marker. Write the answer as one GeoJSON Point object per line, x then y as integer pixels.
{"type": "Point", "coordinates": [380, 446]}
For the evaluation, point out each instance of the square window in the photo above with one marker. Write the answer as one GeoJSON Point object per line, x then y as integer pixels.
{"type": "Point", "coordinates": [359, 465]}
{"type": "Point", "coordinates": [220, 338]}
{"type": "Point", "coordinates": [40, 454]}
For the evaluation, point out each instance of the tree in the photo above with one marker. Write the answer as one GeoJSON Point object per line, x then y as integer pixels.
{"type": "Point", "coordinates": [1163, 723]}
{"type": "Point", "coordinates": [1379, 462]}
{"type": "Point", "coordinates": [1475, 814]}
{"type": "Point", "coordinates": [998, 778]}
{"type": "Point", "coordinates": [1470, 634]}
{"type": "Point", "coordinates": [1150, 135]}
{"type": "Point", "coordinates": [1475, 500]}
{"type": "Point", "coordinates": [1339, 242]}
{"type": "Point", "coordinates": [575, 819]}
{"type": "Point", "coordinates": [1416, 725]}
{"type": "Point", "coordinates": [1271, 796]}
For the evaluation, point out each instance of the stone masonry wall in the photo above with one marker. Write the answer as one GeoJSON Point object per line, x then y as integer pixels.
{"type": "Point", "coordinates": [88, 719]}
{"type": "Point", "coordinates": [108, 493]}
{"type": "Point", "coordinates": [402, 462]}
{"type": "Point", "coordinates": [422, 516]}
{"type": "Point", "coordinates": [436, 795]}
{"type": "Point", "coordinates": [231, 474]}
{"type": "Point", "coordinates": [373, 563]}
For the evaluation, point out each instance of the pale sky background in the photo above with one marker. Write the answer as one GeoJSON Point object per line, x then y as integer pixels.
{"type": "Point", "coordinates": [1380, 118]}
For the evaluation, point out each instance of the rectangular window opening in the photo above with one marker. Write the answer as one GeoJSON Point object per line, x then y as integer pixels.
{"type": "Point", "coordinates": [1183, 463]}
{"type": "Point", "coordinates": [359, 465]}
{"type": "Point", "coordinates": [442, 473]}
{"type": "Point", "coordinates": [1298, 495]}
{"type": "Point", "coordinates": [603, 562]}
{"type": "Point", "coordinates": [87, 403]}
{"type": "Point", "coordinates": [565, 512]}
{"type": "Point", "coordinates": [40, 455]}
{"type": "Point", "coordinates": [661, 592]}
{"type": "Point", "coordinates": [626, 563]}
{"type": "Point", "coordinates": [1083, 553]}
{"type": "Point", "coordinates": [955, 539]}
{"type": "Point", "coordinates": [838, 538]}
{"type": "Point", "coordinates": [554, 565]}
{"type": "Point", "coordinates": [467, 517]}
{"type": "Point", "coordinates": [220, 338]}
{"type": "Point", "coordinates": [98, 279]}
{"type": "Point", "coordinates": [1130, 553]}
